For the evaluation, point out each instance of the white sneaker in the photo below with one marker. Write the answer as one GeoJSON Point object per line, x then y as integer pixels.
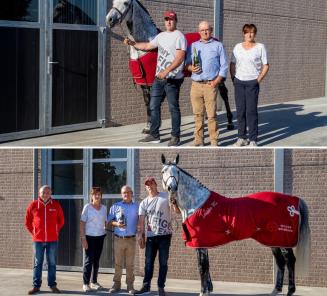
{"type": "Point", "coordinates": [86, 288]}
{"type": "Point", "coordinates": [241, 142]}
{"type": "Point", "coordinates": [253, 144]}
{"type": "Point", "coordinates": [96, 286]}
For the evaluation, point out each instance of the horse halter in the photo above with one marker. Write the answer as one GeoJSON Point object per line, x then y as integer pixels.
{"type": "Point", "coordinates": [173, 200]}
{"type": "Point", "coordinates": [121, 14]}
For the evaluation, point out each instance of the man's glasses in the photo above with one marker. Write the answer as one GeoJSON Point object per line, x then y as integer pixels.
{"type": "Point", "coordinates": [205, 30]}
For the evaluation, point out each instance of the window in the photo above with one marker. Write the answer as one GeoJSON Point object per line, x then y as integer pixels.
{"type": "Point", "coordinates": [67, 172]}
{"type": "Point", "coordinates": [109, 169]}
{"type": "Point", "coordinates": [72, 172]}
{"type": "Point", "coordinates": [19, 10]}
{"type": "Point", "coordinates": [83, 12]}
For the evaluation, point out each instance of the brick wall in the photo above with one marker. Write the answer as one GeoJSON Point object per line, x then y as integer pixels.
{"type": "Point", "coordinates": [235, 173]}
{"type": "Point", "coordinates": [295, 36]}
{"type": "Point", "coordinates": [306, 175]}
{"type": "Point", "coordinates": [16, 190]}
{"type": "Point", "coordinates": [294, 33]}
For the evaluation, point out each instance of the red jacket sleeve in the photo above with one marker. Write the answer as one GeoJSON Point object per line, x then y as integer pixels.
{"type": "Point", "coordinates": [60, 217]}
{"type": "Point", "coordinates": [29, 219]}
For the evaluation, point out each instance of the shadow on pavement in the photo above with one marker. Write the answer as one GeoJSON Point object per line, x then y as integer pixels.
{"type": "Point", "coordinates": [276, 122]}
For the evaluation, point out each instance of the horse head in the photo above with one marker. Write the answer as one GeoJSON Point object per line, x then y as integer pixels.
{"type": "Point", "coordinates": [170, 177]}
{"type": "Point", "coordinates": [120, 10]}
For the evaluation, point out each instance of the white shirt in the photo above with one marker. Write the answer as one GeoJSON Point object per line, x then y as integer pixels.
{"type": "Point", "coordinates": [168, 43]}
{"type": "Point", "coordinates": [157, 215]}
{"type": "Point", "coordinates": [94, 220]}
{"type": "Point", "coordinates": [249, 62]}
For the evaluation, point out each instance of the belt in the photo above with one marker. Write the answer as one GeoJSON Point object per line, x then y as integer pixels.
{"type": "Point", "coordinates": [203, 81]}
{"type": "Point", "coordinates": [126, 236]}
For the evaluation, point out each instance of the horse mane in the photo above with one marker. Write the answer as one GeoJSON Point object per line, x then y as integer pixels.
{"type": "Point", "coordinates": [142, 19]}
{"type": "Point", "coordinates": [195, 179]}
{"type": "Point", "coordinates": [145, 10]}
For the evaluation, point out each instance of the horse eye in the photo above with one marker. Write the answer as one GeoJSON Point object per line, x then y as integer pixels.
{"type": "Point", "coordinates": [126, 3]}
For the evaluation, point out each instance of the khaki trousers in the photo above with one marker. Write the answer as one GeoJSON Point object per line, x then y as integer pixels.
{"type": "Point", "coordinates": [203, 99]}
{"type": "Point", "coordinates": [124, 248]}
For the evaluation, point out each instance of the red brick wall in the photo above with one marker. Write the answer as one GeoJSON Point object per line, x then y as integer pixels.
{"type": "Point", "coordinates": [16, 190]}
{"type": "Point", "coordinates": [294, 34]}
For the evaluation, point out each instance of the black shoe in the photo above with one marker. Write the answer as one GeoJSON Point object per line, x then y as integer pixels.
{"type": "Point", "coordinates": [161, 292]}
{"type": "Point", "coordinates": [174, 141]}
{"type": "Point", "coordinates": [143, 291]}
{"type": "Point", "coordinates": [150, 139]}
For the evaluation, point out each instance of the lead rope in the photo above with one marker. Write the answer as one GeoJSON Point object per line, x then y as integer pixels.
{"type": "Point", "coordinates": [173, 219]}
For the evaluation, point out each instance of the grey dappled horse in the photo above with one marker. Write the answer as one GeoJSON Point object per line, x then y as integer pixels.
{"type": "Point", "coordinates": [137, 24]}
{"type": "Point", "coordinates": [191, 197]}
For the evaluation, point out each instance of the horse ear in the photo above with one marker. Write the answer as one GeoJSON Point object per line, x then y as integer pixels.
{"type": "Point", "coordinates": [177, 159]}
{"type": "Point", "coordinates": [163, 159]}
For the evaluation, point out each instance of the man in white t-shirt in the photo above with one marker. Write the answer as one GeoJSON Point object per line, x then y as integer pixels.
{"type": "Point", "coordinates": [171, 46]}
{"type": "Point", "coordinates": [155, 223]}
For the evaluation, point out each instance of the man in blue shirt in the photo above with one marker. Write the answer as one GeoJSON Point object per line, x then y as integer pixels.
{"type": "Point", "coordinates": [123, 216]}
{"type": "Point", "coordinates": [207, 75]}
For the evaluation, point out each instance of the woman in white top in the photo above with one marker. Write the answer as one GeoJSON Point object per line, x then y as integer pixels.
{"type": "Point", "coordinates": [249, 65]}
{"type": "Point", "coordinates": [92, 229]}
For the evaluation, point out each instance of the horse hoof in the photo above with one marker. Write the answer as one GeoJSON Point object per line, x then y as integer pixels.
{"type": "Point", "coordinates": [204, 294]}
{"type": "Point", "coordinates": [230, 126]}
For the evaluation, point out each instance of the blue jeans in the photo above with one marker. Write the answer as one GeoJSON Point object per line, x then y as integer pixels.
{"type": "Point", "coordinates": [246, 99]}
{"type": "Point", "coordinates": [154, 244]}
{"type": "Point", "coordinates": [51, 252]}
{"type": "Point", "coordinates": [160, 89]}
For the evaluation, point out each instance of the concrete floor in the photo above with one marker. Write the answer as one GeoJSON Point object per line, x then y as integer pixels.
{"type": "Point", "coordinates": [18, 282]}
{"type": "Point", "coordinates": [291, 124]}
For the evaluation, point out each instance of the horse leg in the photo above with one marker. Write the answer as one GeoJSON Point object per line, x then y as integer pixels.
{"type": "Point", "coordinates": [224, 95]}
{"type": "Point", "coordinates": [146, 97]}
{"type": "Point", "coordinates": [203, 265]}
{"type": "Point", "coordinates": [280, 262]}
{"type": "Point", "coordinates": [290, 262]}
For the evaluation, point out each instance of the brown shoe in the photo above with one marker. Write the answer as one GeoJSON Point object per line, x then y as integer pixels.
{"type": "Point", "coordinates": [33, 291]}
{"type": "Point", "coordinates": [54, 289]}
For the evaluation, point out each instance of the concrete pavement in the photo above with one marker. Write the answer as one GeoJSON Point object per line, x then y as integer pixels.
{"type": "Point", "coordinates": [291, 124]}
{"type": "Point", "coordinates": [14, 282]}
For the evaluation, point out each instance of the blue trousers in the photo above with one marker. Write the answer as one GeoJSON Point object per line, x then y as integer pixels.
{"type": "Point", "coordinates": [154, 244]}
{"type": "Point", "coordinates": [51, 252]}
{"type": "Point", "coordinates": [92, 258]}
{"type": "Point", "coordinates": [246, 100]}
{"type": "Point", "coordinates": [160, 89]}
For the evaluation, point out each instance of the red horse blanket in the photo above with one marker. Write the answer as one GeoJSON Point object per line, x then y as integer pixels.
{"type": "Point", "coordinates": [143, 69]}
{"type": "Point", "coordinates": [270, 218]}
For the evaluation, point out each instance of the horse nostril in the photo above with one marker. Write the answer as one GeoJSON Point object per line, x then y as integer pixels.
{"type": "Point", "coordinates": [169, 188]}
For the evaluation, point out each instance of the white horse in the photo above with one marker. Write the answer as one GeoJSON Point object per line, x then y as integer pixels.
{"type": "Point", "coordinates": [276, 220]}
{"type": "Point", "coordinates": [137, 24]}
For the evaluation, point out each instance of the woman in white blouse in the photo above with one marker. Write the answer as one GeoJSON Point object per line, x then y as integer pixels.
{"type": "Point", "coordinates": [248, 67]}
{"type": "Point", "coordinates": [92, 229]}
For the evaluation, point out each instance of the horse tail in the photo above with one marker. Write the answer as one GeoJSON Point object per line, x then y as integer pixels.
{"type": "Point", "coordinates": [303, 248]}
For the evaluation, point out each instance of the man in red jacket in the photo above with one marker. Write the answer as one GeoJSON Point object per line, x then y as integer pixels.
{"type": "Point", "coordinates": [44, 219]}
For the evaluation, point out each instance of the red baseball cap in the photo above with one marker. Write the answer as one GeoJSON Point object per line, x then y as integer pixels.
{"type": "Point", "coordinates": [149, 180]}
{"type": "Point", "coordinates": [170, 14]}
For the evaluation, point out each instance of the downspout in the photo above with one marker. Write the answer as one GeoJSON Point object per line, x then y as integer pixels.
{"type": "Point", "coordinates": [35, 173]}
{"type": "Point", "coordinates": [218, 19]}
{"type": "Point", "coordinates": [218, 33]}
{"type": "Point", "coordinates": [278, 186]}
{"type": "Point", "coordinates": [326, 74]}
